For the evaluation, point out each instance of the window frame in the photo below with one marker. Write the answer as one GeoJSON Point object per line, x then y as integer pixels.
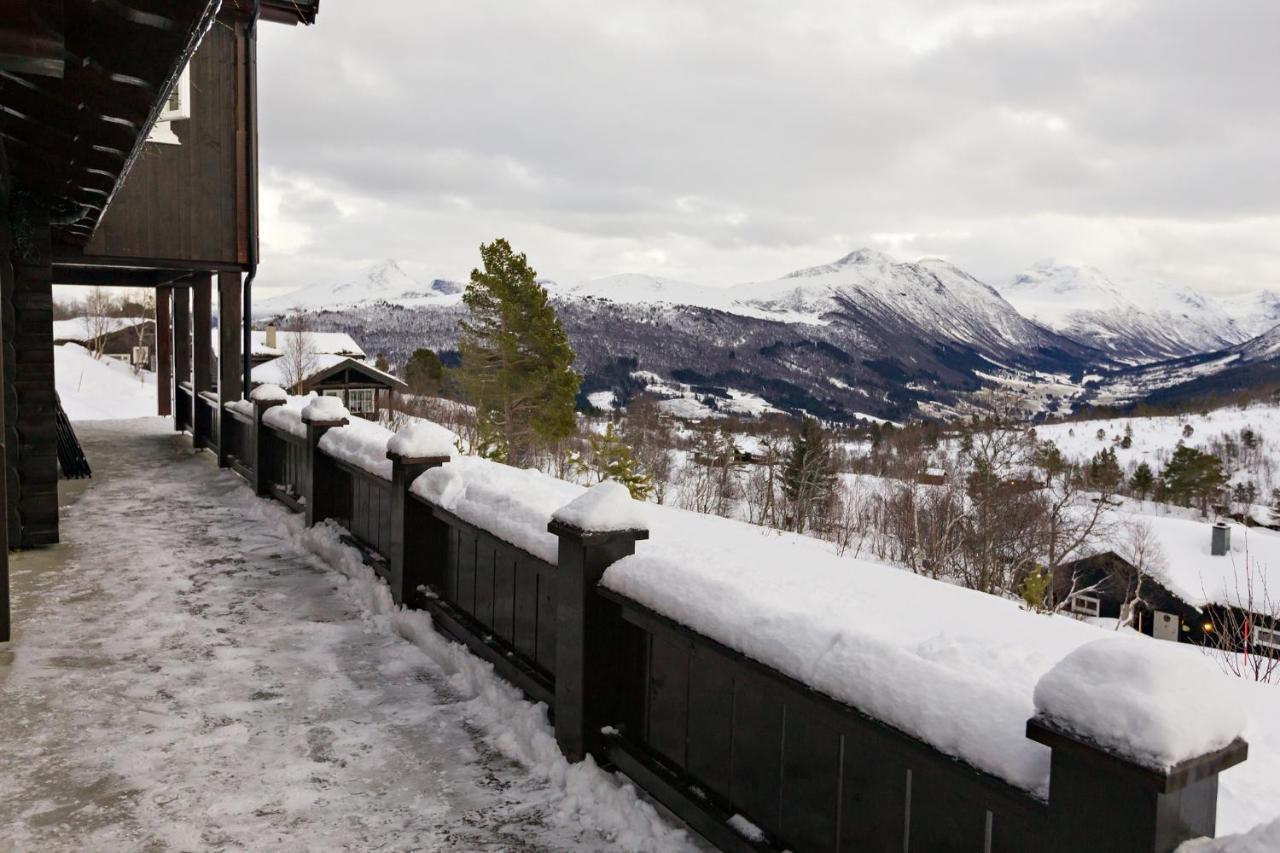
{"type": "Point", "coordinates": [1272, 637]}
{"type": "Point", "coordinates": [360, 409]}
{"type": "Point", "coordinates": [162, 130]}
{"type": "Point", "coordinates": [1084, 598]}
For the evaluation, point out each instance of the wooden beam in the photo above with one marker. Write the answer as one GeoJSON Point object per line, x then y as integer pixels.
{"type": "Point", "coordinates": [164, 355]}
{"type": "Point", "coordinates": [112, 277]}
{"type": "Point", "coordinates": [201, 356]}
{"type": "Point", "coordinates": [229, 375]}
{"type": "Point", "coordinates": [182, 411]}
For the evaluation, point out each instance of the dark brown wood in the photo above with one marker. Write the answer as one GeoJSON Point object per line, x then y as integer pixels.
{"type": "Point", "coordinates": [29, 397]}
{"type": "Point", "coordinates": [201, 356]}
{"type": "Point", "coordinates": [181, 201]}
{"type": "Point", "coordinates": [229, 337]}
{"type": "Point", "coordinates": [404, 534]}
{"type": "Point", "coordinates": [181, 349]}
{"type": "Point", "coordinates": [164, 355]}
{"type": "Point", "coordinates": [6, 292]}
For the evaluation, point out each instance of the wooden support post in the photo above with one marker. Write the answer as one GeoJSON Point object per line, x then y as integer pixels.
{"type": "Point", "coordinates": [30, 402]}
{"type": "Point", "coordinates": [319, 488]}
{"type": "Point", "coordinates": [262, 461]}
{"type": "Point", "coordinates": [201, 357]}
{"type": "Point", "coordinates": [406, 535]}
{"type": "Point", "coordinates": [229, 367]}
{"type": "Point", "coordinates": [182, 417]}
{"type": "Point", "coordinates": [587, 627]}
{"type": "Point", "coordinates": [6, 292]}
{"type": "Point", "coordinates": [1099, 801]}
{"type": "Point", "coordinates": [164, 343]}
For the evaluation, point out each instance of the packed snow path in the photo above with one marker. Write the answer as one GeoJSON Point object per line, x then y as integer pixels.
{"type": "Point", "coordinates": [185, 676]}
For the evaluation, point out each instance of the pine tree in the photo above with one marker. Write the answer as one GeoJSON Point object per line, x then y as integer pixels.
{"type": "Point", "coordinates": [1142, 481]}
{"type": "Point", "coordinates": [612, 459]}
{"type": "Point", "coordinates": [517, 364]}
{"type": "Point", "coordinates": [1193, 474]}
{"type": "Point", "coordinates": [381, 363]}
{"type": "Point", "coordinates": [809, 477]}
{"type": "Point", "coordinates": [1048, 458]}
{"type": "Point", "coordinates": [424, 373]}
{"type": "Point", "coordinates": [1104, 471]}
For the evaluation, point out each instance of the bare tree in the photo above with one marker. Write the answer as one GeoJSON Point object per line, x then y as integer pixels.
{"type": "Point", "coordinates": [299, 350]}
{"type": "Point", "coordinates": [1142, 558]}
{"type": "Point", "coordinates": [148, 304]}
{"type": "Point", "coordinates": [99, 308]}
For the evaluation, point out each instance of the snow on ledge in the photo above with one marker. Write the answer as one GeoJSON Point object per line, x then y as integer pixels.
{"type": "Point", "coordinates": [423, 439]}
{"type": "Point", "coordinates": [1264, 838]}
{"type": "Point", "coordinates": [240, 407]}
{"type": "Point", "coordinates": [361, 443]}
{"type": "Point", "coordinates": [513, 504]}
{"type": "Point", "coordinates": [1145, 700]}
{"type": "Point", "coordinates": [268, 394]}
{"type": "Point", "coordinates": [604, 508]}
{"type": "Point", "coordinates": [324, 409]}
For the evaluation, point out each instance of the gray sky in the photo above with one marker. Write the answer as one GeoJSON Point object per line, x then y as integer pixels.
{"type": "Point", "coordinates": [721, 141]}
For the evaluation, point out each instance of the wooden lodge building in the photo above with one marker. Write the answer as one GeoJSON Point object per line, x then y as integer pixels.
{"type": "Point", "coordinates": [363, 389]}
{"type": "Point", "coordinates": [128, 157]}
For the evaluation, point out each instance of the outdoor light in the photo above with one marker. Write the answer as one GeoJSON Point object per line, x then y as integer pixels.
{"type": "Point", "coordinates": [1208, 627]}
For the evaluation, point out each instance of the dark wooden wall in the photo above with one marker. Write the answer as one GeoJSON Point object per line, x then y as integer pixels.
{"type": "Point", "coordinates": [187, 202]}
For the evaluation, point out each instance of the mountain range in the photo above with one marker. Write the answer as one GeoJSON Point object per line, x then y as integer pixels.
{"type": "Point", "coordinates": [865, 335]}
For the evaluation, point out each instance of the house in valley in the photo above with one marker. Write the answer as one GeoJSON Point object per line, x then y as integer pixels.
{"type": "Point", "coordinates": [363, 389]}
{"type": "Point", "coordinates": [131, 339]}
{"type": "Point", "coordinates": [1209, 585]}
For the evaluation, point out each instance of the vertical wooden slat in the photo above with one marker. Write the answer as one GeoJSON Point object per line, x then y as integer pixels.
{"type": "Point", "coordinates": [526, 607]}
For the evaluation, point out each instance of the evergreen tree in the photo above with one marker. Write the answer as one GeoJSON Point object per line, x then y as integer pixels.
{"type": "Point", "coordinates": [1104, 471]}
{"type": "Point", "coordinates": [612, 459]}
{"type": "Point", "coordinates": [809, 477]}
{"type": "Point", "coordinates": [1193, 474]}
{"type": "Point", "coordinates": [517, 365]}
{"type": "Point", "coordinates": [1142, 481]}
{"type": "Point", "coordinates": [1048, 458]}
{"type": "Point", "coordinates": [424, 373]}
{"type": "Point", "coordinates": [381, 363]}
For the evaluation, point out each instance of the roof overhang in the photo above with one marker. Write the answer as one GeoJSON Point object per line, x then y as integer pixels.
{"type": "Point", "coordinates": [70, 134]}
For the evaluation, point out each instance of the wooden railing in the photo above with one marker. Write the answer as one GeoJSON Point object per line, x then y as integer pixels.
{"type": "Point", "coordinates": [716, 737]}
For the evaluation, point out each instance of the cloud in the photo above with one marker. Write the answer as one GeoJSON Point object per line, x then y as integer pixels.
{"type": "Point", "coordinates": [731, 140]}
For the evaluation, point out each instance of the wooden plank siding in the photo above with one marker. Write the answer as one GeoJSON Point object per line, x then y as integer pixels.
{"type": "Point", "coordinates": [184, 202]}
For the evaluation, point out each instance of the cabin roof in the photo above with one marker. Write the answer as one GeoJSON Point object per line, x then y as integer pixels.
{"type": "Point", "coordinates": [77, 328]}
{"type": "Point", "coordinates": [1190, 572]}
{"type": "Point", "coordinates": [276, 371]}
{"type": "Point", "coordinates": [320, 343]}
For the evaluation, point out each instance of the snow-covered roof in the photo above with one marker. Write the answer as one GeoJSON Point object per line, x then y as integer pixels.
{"type": "Point", "coordinates": [1197, 577]}
{"type": "Point", "coordinates": [277, 372]}
{"type": "Point", "coordinates": [77, 328]}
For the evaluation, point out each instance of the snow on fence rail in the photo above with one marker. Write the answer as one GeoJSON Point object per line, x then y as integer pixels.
{"type": "Point", "coordinates": [772, 694]}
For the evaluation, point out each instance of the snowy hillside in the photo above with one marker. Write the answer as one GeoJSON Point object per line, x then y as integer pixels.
{"type": "Point", "coordinates": [1255, 313]}
{"type": "Point", "coordinates": [101, 389]}
{"type": "Point", "coordinates": [1135, 324]}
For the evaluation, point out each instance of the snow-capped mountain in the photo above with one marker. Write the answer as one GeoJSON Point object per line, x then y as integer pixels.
{"type": "Point", "coordinates": [385, 281]}
{"type": "Point", "coordinates": [1248, 365]}
{"type": "Point", "coordinates": [1255, 313]}
{"type": "Point", "coordinates": [1139, 323]}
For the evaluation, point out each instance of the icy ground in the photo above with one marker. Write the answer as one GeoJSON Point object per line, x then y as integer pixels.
{"type": "Point", "coordinates": [188, 674]}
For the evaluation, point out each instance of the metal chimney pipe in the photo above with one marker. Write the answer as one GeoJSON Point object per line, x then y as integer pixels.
{"type": "Point", "coordinates": [1221, 540]}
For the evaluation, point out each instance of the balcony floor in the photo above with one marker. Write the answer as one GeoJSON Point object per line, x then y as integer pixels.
{"type": "Point", "coordinates": [184, 676]}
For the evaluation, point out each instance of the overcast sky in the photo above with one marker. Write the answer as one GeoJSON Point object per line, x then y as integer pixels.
{"type": "Point", "coordinates": [720, 141]}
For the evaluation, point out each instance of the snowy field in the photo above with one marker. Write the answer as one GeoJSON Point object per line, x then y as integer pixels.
{"type": "Point", "coordinates": [199, 672]}
{"type": "Point", "coordinates": [99, 389]}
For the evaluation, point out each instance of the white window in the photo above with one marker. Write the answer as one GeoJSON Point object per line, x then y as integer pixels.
{"type": "Point", "coordinates": [360, 401]}
{"type": "Point", "coordinates": [1269, 637]}
{"type": "Point", "coordinates": [327, 393]}
{"type": "Point", "coordinates": [1086, 605]}
{"type": "Point", "coordinates": [176, 107]}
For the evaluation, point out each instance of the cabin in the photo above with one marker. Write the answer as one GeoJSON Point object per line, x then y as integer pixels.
{"type": "Point", "coordinates": [130, 339]}
{"type": "Point", "coordinates": [363, 389]}
{"type": "Point", "coordinates": [272, 343]}
{"type": "Point", "coordinates": [1207, 586]}
{"type": "Point", "coordinates": [128, 158]}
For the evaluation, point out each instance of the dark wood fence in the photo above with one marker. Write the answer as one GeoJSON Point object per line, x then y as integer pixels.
{"type": "Point", "coordinates": [703, 729]}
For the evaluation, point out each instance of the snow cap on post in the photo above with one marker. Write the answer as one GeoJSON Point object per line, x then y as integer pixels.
{"type": "Point", "coordinates": [1147, 701]}
{"type": "Point", "coordinates": [325, 410]}
{"type": "Point", "coordinates": [422, 440]}
{"type": "Point", "coordinates": [268, 393]}
{"type": "Point", "coordinates": [606, 507]}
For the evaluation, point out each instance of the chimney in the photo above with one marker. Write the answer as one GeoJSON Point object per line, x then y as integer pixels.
{"type": "Point", "coordinates": [1221, 540]}
{"type": "Point", "coordinates": [271, 335]}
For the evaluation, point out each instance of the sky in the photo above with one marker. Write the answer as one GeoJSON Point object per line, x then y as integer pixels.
{"type": "Point", "coordinates": [721, 141]}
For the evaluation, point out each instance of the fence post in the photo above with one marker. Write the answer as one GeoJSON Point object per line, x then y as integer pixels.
{"type": "Point", "coordinates": [320, 469]}
{"type": "Point", "coordinates": [1101, 801]}
{"type": "Point", "coordinates": [260, 484]}
{"type": "Point", "coordinates": [404, 534]}
{"type": "Point", "coordinates": [587, 634]}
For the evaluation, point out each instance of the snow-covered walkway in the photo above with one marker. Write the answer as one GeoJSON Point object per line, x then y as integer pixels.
{"type": "Point", "coordinates": [186, 676]}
